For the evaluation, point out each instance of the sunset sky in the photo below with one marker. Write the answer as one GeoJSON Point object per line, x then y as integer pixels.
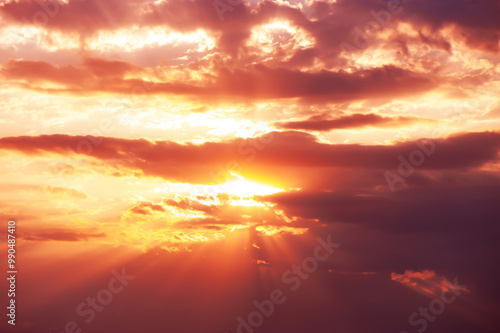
{"type": "Point", "coordinates": [215, 149]}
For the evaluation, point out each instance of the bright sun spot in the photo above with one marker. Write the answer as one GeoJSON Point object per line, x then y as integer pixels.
{"type": "Point", "coordinates": [245, 188]}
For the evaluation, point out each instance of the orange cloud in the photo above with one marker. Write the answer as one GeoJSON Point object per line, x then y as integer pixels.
{"type": "Point", "coordinates": [425, 281]}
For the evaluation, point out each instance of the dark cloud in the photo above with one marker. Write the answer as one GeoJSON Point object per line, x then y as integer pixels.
{"type": "Point", "coordinates": [444, 205]}
{"type": "Point", "coordinates": [477, 21]}
{"type": "Point", "coordinates": [263, 82]}
{"type": "Point", "coordinates": [327, 123]}
{"type": "Point", "coordinates": [100, 75]}
{"type": "Point", "coordinates": [207, 162]}
{"type": "Point", "coordinates": [331, 24]}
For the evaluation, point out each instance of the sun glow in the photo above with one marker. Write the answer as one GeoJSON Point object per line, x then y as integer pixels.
{"type": "Point", "coordinates": [244, 188]}
{"type": "Point", "coordinates": [139, 37]}
{"type": "Point", "coordinates": [239, 189]}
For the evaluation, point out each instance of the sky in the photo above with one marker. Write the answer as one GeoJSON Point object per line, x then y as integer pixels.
{"type": "Point", "coordinates": [225, 166]}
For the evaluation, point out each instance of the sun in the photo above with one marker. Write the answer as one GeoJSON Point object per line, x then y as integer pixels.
{"type": "Point", "coordinates": [244, 188]}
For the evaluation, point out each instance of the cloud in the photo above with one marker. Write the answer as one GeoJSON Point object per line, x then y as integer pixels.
{"type": "Point", "coordinates": [62, 235]}
{"type": "Point", "coordinates": [101, 75]}
{"type": "Point", "coordinates": [146, 208]}
{"type": "Point", "coordinates": [92, 74]}
{"type": "Point", "coordinates": [186, 203]}
{"type": "Point", "coordinates": [326, 123]}
{"type": "Point", "coordinates": [84, 17]}
{"type": "Point", "coordinates": [426, 281]}
{"type": "Point", "coordinates": [476, 21]}
{"type": "Point", "coordinates": [329, 24]}
{"type": "Point", "coordinates": [61, 191]}
{"type": "Point", "coordinates": [445, 203]}
{"type": "Point", "coordinates": [207, 163]}
{"type": "Point", "coordinates": [65, 191]}
{"type": "Point", "coordinates": [87, 18]}
{"type": "Point", "coordinates": [268, 83]}
{"type": "Point", "coordinates": [493, 111]}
